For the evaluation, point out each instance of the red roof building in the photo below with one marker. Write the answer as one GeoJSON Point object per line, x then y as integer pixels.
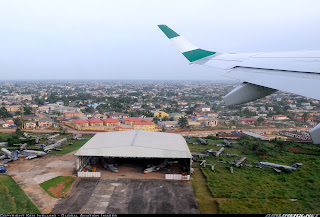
{"type": "Point", "coordinates": [80, 123]}
{"type": "Point", "coordinates": [95, 122]}
{"type": "Point", "coordinates": [132, 120]}
{"type": "Point", "coordinates": [111, 122]}
{"type": "Point", "coordinates": [249, 120]}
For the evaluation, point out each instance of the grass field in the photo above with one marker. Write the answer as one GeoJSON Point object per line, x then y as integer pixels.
{"type": "Point", "coordinates": [203, 195]}
{"type": "Point", "coordinates": [58, 186]}
{"type": "Point", "coordinates": [13, 200]}
{"type": "Point", "coordinates": [255, 190]}
{"type": "Point", "coordinates": [70, 148]}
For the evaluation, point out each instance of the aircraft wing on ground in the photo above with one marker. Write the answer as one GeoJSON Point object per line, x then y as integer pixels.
{"type": "Point", "coordinates": [261, 74]}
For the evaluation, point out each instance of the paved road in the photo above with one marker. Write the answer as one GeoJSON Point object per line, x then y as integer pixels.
{"type": "Point", "coordinates": [99, 196]}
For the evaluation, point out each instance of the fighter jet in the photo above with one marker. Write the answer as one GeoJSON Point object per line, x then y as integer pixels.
{"type": "Point", "coordinates": [110, 166]}
{"type": "Point", "coordinates": [217, 154]}
{"type": "Point", "coordinates": [77, 136]}
{"type": "Point", "coordinates": [23, 146]}
{"type": "Point", "coordinates": [261, 74]}
{"type": "Point", "coordinates": [33, 154]}
{"type": "Point", "coordinates": [239, 163]}
{"type": "Point", "coordinates": [158, 167]}
{"type": "Point", "coordinates": [226, 143]}
{"type": "Point", "coordinates": [10, 155]}
{"type": "Point", "coordinates": [203, 141]}
{"type": "Point", "coordinates": [49, 137]}
{"type": "Point", "coordinates": [55, 145]}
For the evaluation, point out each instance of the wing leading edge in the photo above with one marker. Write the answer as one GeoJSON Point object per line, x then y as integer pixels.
{"type": "Point", "coordinates": [261, 73]}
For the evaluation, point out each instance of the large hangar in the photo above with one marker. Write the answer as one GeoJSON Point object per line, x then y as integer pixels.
{"type": "Point", "coordinates": [135, 144]}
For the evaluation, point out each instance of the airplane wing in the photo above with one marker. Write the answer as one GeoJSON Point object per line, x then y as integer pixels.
{"type": "Point", "coordinates": [261, 73]}
{"type": "Point", "coordinates": [31, 157]}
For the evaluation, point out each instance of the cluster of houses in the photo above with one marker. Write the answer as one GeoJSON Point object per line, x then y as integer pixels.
{"type": "Point", "coordinates": [116, 122]}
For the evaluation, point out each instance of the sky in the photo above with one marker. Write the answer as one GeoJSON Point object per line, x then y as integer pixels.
{"type": "Point", "coordinates": [108, 39]}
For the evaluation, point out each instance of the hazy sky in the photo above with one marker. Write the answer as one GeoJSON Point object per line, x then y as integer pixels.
{"type": "Point", "coordinates": [117, 39]}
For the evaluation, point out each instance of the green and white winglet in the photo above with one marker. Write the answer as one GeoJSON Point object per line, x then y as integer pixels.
{"type": "Point", "coordinates": [190, 51]}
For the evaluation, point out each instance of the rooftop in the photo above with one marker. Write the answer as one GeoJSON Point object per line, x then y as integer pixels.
{"type": "Point", "coordinates": [136, 143]}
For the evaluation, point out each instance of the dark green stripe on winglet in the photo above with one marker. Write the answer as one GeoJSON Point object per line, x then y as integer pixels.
{"type": "Point", "coordinates": [168, 32]}
{"type": "Point", "coordinates": [197, 54]}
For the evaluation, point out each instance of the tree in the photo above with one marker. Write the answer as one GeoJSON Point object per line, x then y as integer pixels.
{"type": "Point", "coordinates": [18, 122]}
{"type": "Point", "coordinates": [27, 110]}
{"type": "Point", "coordinates": [305, 116]}
{"type": "Point", "coordinates": [183, 122]}
{"type": "Point", "coordinates": [4, 113]}
{"type": "Point", "coordinates": [260, 120]}
{"type": "Point", "coordinates": [156, 120]}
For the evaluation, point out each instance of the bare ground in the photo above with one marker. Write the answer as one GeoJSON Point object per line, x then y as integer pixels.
{"type": "Point", "coordinates": [30, 173]}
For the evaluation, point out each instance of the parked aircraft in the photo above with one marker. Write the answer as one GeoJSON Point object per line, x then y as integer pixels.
{"type": "Point", "coordinates": [33, 154]}
{"type": "Point", "coordinates": [279, 166]}
{"type": "Point", "coordinates": [261, 73]}
{"type": "Point", "coordinates": [239, 163]}
{"type": "Point", "coordinates": [159, 167]}
{"type": "Point", "coordinates": [226, 143]}
{"type": "Point", "coordinates": [55, 145]}
{"type": "Point", "coordinates": [77, 136]}
{"type": "Point", "coordinates": [217, 154]}
{"type": "Point", "coordinates": [111, 167]}
{"type": "Point", "coordinates": [53, 136]}
{"type": "Point", "coordinates": [203, 141]}
{"type": "Point", "coordinates": [23, 146]}
{"type": "Point", "coordinates": [9, 154]}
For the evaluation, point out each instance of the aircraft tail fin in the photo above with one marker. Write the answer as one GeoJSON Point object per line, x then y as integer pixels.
{"type": "Point", "coordinates": [189, 51]}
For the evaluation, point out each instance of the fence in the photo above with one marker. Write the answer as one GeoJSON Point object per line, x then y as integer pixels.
{"type": "Point", "coordinates": [177, 177]}
{"type": "Point", "coordinates": [89, 174]}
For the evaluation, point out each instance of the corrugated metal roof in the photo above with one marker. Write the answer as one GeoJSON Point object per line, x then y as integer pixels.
{"type": "Point", "coordinates": [136, 143]}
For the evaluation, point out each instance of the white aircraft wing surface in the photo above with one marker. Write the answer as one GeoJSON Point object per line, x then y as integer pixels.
{"type": "Point", "coordinates": [261, 74]}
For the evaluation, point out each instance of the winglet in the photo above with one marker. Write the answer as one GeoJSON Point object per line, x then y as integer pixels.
{"type": "Point", "coordinates": [189, 51]}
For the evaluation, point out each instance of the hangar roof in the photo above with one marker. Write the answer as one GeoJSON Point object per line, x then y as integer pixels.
{"type": "Point", "coordinates": [136, 143]}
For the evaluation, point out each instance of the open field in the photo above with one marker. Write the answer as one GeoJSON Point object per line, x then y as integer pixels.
{"type": "Point", "coordinates": [57, 186]}
{"type": "Point", "coordinates": [13, 200]}
{"type": "Point", "coordinates": [255, 190]}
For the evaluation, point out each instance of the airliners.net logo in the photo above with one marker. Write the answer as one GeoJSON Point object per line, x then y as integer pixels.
{"type": "Point", "coordinates": [292, 215]}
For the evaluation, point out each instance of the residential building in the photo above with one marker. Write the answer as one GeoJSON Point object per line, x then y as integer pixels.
{"type": "Point", "coordinates": [95, 122]}
{"type": "Point", "coordinates": [160, 114]}
{"type": "Point", "coordinates": [29, 125]}
{"type": "Point", "coordinates": [72, 115]}
{"type": "Point", "coordinates": [44, 123]}
{"type": "Point", "coordinates": [80, 123]}
{"type": "Point", "coordinates": [111, 122]}
{"type": "Point", "coordinates": [280, 117]}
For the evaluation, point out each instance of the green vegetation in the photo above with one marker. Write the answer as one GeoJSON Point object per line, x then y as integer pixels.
{"type": "Point", "coordinates": [13, 200]}
{"type": "Point", "coordinates": [204, 197]}
{"type": "Point", "coordinates": [262, 190]}
{"type": "Point", "coordinates": [70, 148]}
{"type": "Point", "coordinates": [58, 186]}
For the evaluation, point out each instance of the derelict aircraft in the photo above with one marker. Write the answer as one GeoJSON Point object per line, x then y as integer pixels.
{"type": "Point", "coordinates": [261, 74]}
{"type": "Point", "coordinates": [33, 154]}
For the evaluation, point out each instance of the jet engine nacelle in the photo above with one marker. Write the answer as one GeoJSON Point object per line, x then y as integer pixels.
{"type": "Point", "coordinates": [246, 92]}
